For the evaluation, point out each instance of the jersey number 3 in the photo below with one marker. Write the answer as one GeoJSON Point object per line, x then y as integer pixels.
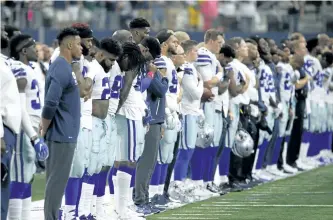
{"type": "Point", "coordinates": [35, 104]}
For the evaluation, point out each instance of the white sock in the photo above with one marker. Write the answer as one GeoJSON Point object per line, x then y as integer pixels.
{"type": "Point", "coordinates": [93, 205]}
{"type": "Point", "coordinates": [26, 209]}
{"type": "Point", "coordinates": [15, 209]}
{"type": "Point", "coordinates": [67, 214]}
{"type": "Point", "coordinates": [255, 161]}
{"type": "Point", "coordinates": [153, 189]}
{"type": "Point", "coordinates": [115, 197]}
{"type": "Point", "coordinates": [284, 153]}
{"type": "Point", "coordinates": [161, 189]}
{"type": "Point", "coordinates": [122, 189]}
{"type": "Point", "coordinates": [89, 196]}
{"type": "Point", "coordinates": [130, 197]}
{"type": "Point", "coordinates": [217, 175]}
{"type": "Point", "coordinates": [99, 205]}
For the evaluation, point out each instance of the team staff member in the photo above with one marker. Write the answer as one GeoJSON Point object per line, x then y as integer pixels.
{"type": "Point", "coordinates": [61, 119]}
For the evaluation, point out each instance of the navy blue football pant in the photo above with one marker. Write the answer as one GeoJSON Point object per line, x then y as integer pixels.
{"type": "Point", "coordinates": [10, 140]}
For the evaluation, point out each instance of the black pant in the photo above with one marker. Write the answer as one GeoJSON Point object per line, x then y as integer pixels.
{"type": "Point", "coordinates": [241, 168]}
{"type": "Point", "coordinates": [248, 162]}
{"type": "Point", "coordinates": [296, 133]}
{"type": "Point", "coordinates": [172, 164]}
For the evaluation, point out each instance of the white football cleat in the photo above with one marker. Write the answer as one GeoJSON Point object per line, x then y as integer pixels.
{"type": "Point", "coordinates": [289, 169]}
{"type": "Point", "coordinates": [304, 166]}
{"type": "Point", "coordinates": [272, 169]}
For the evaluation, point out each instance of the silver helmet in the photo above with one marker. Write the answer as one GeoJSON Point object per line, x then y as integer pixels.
{"type": "Point", "coordinates": [205, 136]}
{"type": "Point", "coordinates": [243, 144]}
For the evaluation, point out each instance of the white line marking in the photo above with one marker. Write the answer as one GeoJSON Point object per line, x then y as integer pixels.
{"type": "Point", "coordinates": [238, 202]}
{"type": "Point", "coordinates": [270, 205]}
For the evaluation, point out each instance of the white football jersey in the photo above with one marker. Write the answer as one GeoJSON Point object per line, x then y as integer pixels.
{"type": "Point", "coordinates": [41, 79]}
{"type": "Point", "coordinates": [33, 103]}
{"type": "Point", "coordinates": [286, 87]}
{"type": "Point", "coordinates": [116, 82]}
{"type": "Point", "coordinates": [101, 86]}
{"type": "Point", "coordinates": [328, 72]}
{"type": "Point", "coordinates": [313, 67]}
{"type": "Point", "coordinates": [10, 102]}
{"type": "Point", "coordinates": [171, 95]}
{"type": "Point", "coordinates": [207, 65]}
{"type": "Point", "coordinates": [192, 90]}
{"type": "Point", "coordinates": [56, 53]}
{"type": "Point", "coordinates": [134, 106]}
{"type": "Point", "coordinates": [266, 83]}
{"type": "Point", "coordinates": [239, 70]}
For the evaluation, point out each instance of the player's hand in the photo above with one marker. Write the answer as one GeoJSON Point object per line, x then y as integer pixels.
{"type": "Point", "coordinates": [291, 113]}
{"type": "Point", "coordinates": [231, 116]}
{"type": "Point", "coordinates": [162, 132]}
{"type": "Point", "coordinates": [42, 150]}
{"type": "Point", "coordinates": [170, 121]}
{"type": "Point", "coordinates": [3, 146]}
{"type": "Point", "coordinates": [211, 98]}
{"type": "Point", "coordinates": [177, 121]}
{"type": "Point", "coordinates": [152, 68]}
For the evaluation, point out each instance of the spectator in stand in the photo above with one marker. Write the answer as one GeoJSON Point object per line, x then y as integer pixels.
{"type": "Point", "coordinates": [295, 12]}
{"type": "Point", "coordinates": [209, 12]}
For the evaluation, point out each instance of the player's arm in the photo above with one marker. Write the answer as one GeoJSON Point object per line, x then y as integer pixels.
{"type": "Point", "coordinates": [299, 84]}
{"type": "Point", "coordinates": [189, 84]}
{"type": "Point", "coordinates": [245, 83]}
{"type": "Point", "coordinates": [277, 83]}
{"type": "Point", "coordinates": [124, 91]}
{"type": "Point", "coordinates": [159, 85]}
{"type": "Point", "coordinates": [85, 84]}
{"type": "Point", "coordinates": [26, 122]}
{"type": "Point", "coordinates": [234, 89]}
{"type": "Point", "coordinates": [53, 95]}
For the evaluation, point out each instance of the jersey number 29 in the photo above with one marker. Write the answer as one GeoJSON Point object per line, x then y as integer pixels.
{"type": "Point", "coordinates": [174, 81]}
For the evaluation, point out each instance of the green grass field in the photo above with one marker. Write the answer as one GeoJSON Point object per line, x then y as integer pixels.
{"type": "Point", "coordinates": [308, 196]}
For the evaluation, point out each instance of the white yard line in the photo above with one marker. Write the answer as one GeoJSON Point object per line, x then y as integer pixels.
{"type": "Point", "coordinates": [268, 205]}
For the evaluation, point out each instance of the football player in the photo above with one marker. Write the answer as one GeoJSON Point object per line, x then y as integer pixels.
{"type": "Point", "coordinates": [10, 122]}
{"type": "Point", "coordinates": [102, 152]}
{"type": "Point", "coordinates": [130, 130]}
{"type": "Point", "coordinates": [140, 28]}
{"type": "Point", "coordinates": [29, 146]}
{"type": "Point", "coordinates": [201, 156]}
{"type": "Point", "coordinates": [116, 83]}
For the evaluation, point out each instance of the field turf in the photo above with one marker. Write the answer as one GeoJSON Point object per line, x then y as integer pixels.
{"type": "Point", "coordinates": [307, 196]}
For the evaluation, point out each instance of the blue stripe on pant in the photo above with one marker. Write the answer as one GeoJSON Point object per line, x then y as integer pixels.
{"type": "Point", "coordinates": [23, 163]}
{"type": "Point", "coordinates": [167, 143]}
{"type": "Point", "coordinates": [10, 140]}
{"type": "Point", "coordinates": [130, 135]}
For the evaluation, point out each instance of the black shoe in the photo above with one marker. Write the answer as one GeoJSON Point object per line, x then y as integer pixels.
{"type": "Point", "coordinates": [295, 166]}
{"type": "Point", "coordinates": [234, 187]}
{"type": "Point", "coordinates": [213, 188]}
{"type": "Point", "coordinates": [154, 208]}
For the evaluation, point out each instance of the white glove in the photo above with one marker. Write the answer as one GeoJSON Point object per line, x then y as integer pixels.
{"type": "Point", "coordinates": [278, 110]}
{"type": "Point", "coordinates": [170, 121]}
{"type": "Point", "coordinates": [201, 120]}
{"type": "Point", "coordinates": [177, 121]}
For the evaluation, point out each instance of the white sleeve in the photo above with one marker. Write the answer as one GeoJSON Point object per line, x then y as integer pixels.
{"type": "Point", "coordinates": [1, 128]}
{"type": "Point", "coordinates": [26, 122]}
{"type": "Point", "coordinates": [10, 105]}
{"type": "Point", "coordinates": [189, 84]}
{"type": "Point", "coordinates": [205, 72]}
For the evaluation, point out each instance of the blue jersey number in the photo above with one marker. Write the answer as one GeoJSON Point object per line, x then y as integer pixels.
{"type": "Point", "coordinates": [106, 85]}
{"type": "Point", "coordinates": [35, 104]}
{"type": "Point", "coordinates": [318, 78]}
{"type": "Point", "coordinates": [287, 85]}
{"type": "Point", "coordinates": [117, 84]}
{"type": "Point", "coordinates": [137, 86]}
{"type": "Point", "coordinates": [174, 81]}
{"type": "Point", "coordinates": [262, 79]}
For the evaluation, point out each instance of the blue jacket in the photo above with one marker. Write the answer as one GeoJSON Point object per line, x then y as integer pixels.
{"type": "Point", "coordinates": [156, 86]}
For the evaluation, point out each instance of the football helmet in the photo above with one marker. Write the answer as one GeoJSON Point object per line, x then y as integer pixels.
{"type": "Point", "coordinates": [243, 144]}
{"type": "Point", "coordinates": [205, 135]}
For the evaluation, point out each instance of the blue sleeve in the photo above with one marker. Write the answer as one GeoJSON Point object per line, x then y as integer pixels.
{"type": "Point", "coordinates": [159, 85]}
{"type": "Point", "coordinates": [59, 80]}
